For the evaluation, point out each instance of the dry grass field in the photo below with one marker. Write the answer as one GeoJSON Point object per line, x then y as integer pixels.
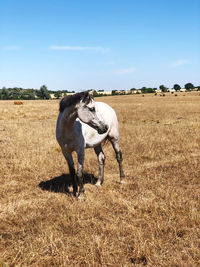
{"type": "Point", "coordinates": [153, 220]}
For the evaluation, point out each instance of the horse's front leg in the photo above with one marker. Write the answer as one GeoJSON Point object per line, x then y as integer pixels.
{"type": "Point", "coordinates": [80, 172]}
{"type": "Point", "coordinates": [70, 162]}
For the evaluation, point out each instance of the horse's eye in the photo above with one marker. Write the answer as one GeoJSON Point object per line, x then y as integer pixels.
{"type": "Point", "coordinates": [92, 109]}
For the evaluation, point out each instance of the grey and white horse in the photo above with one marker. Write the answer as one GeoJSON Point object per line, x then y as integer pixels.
{"type": "Point", "coordinates": [83, 123]}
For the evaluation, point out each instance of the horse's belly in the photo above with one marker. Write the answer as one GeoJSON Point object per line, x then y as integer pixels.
{"type": "Point", "coordinates": [93, 139]}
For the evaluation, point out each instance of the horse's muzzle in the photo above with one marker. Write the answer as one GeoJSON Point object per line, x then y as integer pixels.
{"type": "Point", "coordinates": [104, 130]}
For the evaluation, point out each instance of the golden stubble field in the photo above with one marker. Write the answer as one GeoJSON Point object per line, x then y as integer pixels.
{"type": "Point", "coordinates": [153, 220]}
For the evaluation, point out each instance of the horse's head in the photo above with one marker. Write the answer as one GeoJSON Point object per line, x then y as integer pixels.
{"type": "Point", "coordinates": [88, 114]}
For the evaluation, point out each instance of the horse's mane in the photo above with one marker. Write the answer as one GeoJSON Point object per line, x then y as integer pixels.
{"type": "Point", "coordinates": [69, 100]}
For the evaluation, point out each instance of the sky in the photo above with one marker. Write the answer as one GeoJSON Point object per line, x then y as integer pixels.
{"type": "Point", "coordinates": [112, 44]}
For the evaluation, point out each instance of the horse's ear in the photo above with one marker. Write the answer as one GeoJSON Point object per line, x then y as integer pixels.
{"type": "Point", "coordinates": [87, 97]}
{"type": "Point", "coordinates": [91, 92]}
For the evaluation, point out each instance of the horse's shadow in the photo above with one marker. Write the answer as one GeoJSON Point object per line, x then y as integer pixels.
{"type": "Point", "coordinates": [62, 183]}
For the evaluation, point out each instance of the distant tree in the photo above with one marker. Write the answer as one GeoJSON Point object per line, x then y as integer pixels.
{"type": "Point", "coordinates": [176, 87]}
{"type": "Point", "coordinates": [43, 93]}
{"type": "Point", "coordinates": [163, 88]}
{"type": "Point", "coordinates": [100, 90]}
{"type": "Point", "coordinates": [4, 94]}
{"type": "Point", "coordinates": [146, 90]}
{"type": "Point", "coordinates": [58, 94]}
{"type": "Point", "coordinates": [95, 94]}
{"type": "Point", "coordinates": [72, 91]}
{"type": "Point", "coordinates": [143, 90]}
{"type": "Point", "coordinates": [132, 89]}
{"type": "Point", "coordinates": [15, 93]}
{"type": "Point", "coordinates": [114, 92]}
{"type": "Point", "coordinates": [27, 95]}
{"type": "Point", "coordinates": [150, 90]}
{"type": "Point", "coordinates": [189, 86]}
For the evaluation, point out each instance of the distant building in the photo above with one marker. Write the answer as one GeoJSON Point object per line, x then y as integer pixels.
{"type": "Point", "coordinates": [52, 96]}
{"type": "Point", "coordinates": [104, 93]}
{"type": "Point", "coordinates": [136, 91]}
{"type": "Point", "coordinates": [122, 92]}
{"type": "Point", "coordinates": [63, 94]}
{"type": "Point", "coordinates": [158, 91]}
{"type": "Point", "coordinates": [133, 91]}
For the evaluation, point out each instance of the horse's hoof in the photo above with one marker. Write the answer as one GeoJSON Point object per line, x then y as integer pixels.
{"type": "Point", "coordinates": [81, 197]}
{"type": "Point", "coordinates": [122, 182]}
{"type": "Point", "coordinates": [98, 184]}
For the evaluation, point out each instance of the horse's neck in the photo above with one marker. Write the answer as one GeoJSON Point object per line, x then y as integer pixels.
{"type": "Point", "coordinates": [68, 118]}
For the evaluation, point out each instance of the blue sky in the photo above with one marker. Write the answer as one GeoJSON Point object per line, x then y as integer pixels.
{"type": "Point", "coordinates": [113, 44]}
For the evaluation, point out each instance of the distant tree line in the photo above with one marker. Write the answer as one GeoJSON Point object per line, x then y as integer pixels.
{"type": "Point", "coordinates": [145, 90]}
{"type": "Point", "coordinates": [177, 87]}
{"type": "Point", "coordinates": [16, 93]}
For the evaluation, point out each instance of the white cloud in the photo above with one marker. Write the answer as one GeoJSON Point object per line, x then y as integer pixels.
{"type": "Point", "coordinates": [178, 63]}
{"type": "Point", "coordinates": [11, 48]}
{"type": "Point", "coordinates": [124, 71]}
{"type": "Point", "coordinates": [79, 48]}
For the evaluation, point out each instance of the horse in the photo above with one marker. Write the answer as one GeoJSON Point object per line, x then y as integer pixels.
{"type": "Point", "coordinates": [84, 123]}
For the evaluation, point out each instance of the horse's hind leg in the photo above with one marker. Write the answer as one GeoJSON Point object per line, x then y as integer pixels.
{"type": "Point", "coordinates": [116, 147]}
{"type": "Point", "coordinates": [101, 158]}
